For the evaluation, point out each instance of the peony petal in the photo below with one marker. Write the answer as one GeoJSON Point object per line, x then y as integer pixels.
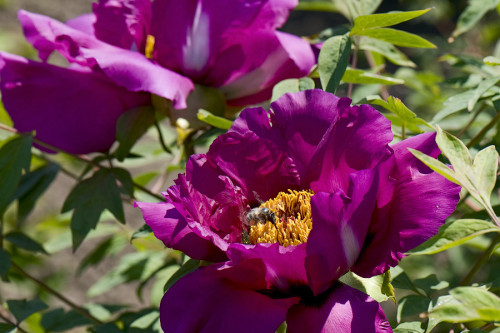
{"type": "Point", "coordinates": [191, 34]}
{"type": "Point", "coordinates": [357, 140]}
{"type": "Point", "coordinates": [256, 165]}
{"type": "Point", "coordinates": [340, 225]}
{"type": "Point", "coordinates": [83, 23]}
{"type": "Point", "coordinates": [206, 301]}
{"type": "Point", "coordinates": [345, 310]}
{"type": "Point", "coordinates": [123, 23]}
{"type": "Point", "coordinates": [413, 202]}
{"type": "Point", "coordinates": [128, 69]}
{"type": "Point", "coordinates": [170, 226]}
{"type": "Point", "coordinates": [251, 64]}
{"type": "Point", "coordinates": [301, 120]}
{"type": "Point", "coordinates": [72, 109]}
{"type": "Point", "coordinates": [284, 265]}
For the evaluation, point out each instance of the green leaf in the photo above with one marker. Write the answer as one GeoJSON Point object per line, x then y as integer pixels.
{"type": "Point", "coordinates": [291, 86]}
{"type": "Point", "coordinates": [189, 266]}
{"type": "Point", "coordinates": [436, 165]}
{"type": "Point", "coordinates": [492, 61]}
{"type": "Point", "coordinates": [467, 304]}
{"type": "Point", "coordinates": [430, 284]}
{"type": "Point", "coordinates": [409, 327]}
{"type": "Point", "coordinates": [105, 249]}
{"type": "Point", "coordinates": [397, 37]}
{"type": "Point", "coordinates": [412, 305]}
{"type": "Point", "coordinates": [59, 320]}
{"type": "Point", "coordinates": [215, 121]}
{"type": "Point", "coordinates": [89, 198]}
{"type": "Point", "coordinates": [378, 287]}
{"type": "Point", "coordinates": [24, 242]}
{"type": "Point", "coordinates": [5, 263]}
{"type": "Point", "coordinates": [22, 309]}
{"type": "Point", "coordinates": [359, 76]}
{"type": "Point", "coordinates": [484, 169]}
{"type": "Point", "coordinates": [455, 151]}
{"type": "Point", "coordinates": [32, 186]}
{"type": "Point", "coordinates": [130, 127]}
{"type": "Point", "coordinates": [474, 11]}
{"type": "Point", "coordinates": [143, 231]}
{"type": "Point", "coordinates": [454, 104]}
{"type": "Point", "coordinates": [15, 155]}
{"type": "Point", "coordinates": [384, 20]}
{"type": "Point", "coordinates": [322, 6]}
{"type": "Point", "coordinates": [483, 87]}
{"type": "Point", "coordinates": [388, 50]}
{"type": "Point", "coordinates": [454, 234]}
{"type": "Point", "coordinates": [125, 179]}
{"type": "Point", "coordinates": [7, 328]}
{"type": "Point", "coordinates": [332, 61]}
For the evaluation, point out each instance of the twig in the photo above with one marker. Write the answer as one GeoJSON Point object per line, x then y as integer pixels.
{"type": "Point", "coordinates": [61, 297]}
{"type": "Point", "coordinates": [7, 320]}
{"type": "Point", "coordinates": [161, 138]}
{"type": "Point", "coordinates": [353, 66]}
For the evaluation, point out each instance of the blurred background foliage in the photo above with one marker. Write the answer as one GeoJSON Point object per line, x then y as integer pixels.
{"type": "Point", "coordinates": [114, 280]}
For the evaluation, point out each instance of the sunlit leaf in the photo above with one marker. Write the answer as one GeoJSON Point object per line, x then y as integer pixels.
{"type": "Point", "coordinates": [291, 86]}
{"type": "Point", "coordinates": [386, 49]}
{"type": "Point", "coordinates": [378, 287]}
{"type": "Point", "coordinates": [397, 37]}
{"type": "Point", "coordinates": [485, 169]}
{"type": "Point", "coordinates": [332, 61]}
{"type": "Point", "coordinates": [22, 309]}
{"type": "Point", "coordinates": [454, 234]}
{"type": "Point", "coordinates": [15, 156]}
{"type": "Point", "coordinates": [436, 165]}
{"type": "Point", "coordinates": [384, 20]}
{"type": "Point", "coordinates": [480, 90]}
{"type": "Point", "coordinates": [359, 76]}
{"type": "Point", "coordinates": [474, 11]}
{"type": "Point", "coordinates": [410, 327]}
{"type": "Point", "coordinates": [214, 120]}
{"type": "Point", "coordinates": [492, 61]}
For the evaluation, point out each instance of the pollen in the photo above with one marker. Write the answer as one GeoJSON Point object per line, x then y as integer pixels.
{"type": "Point", "coordinates": [293, 220]}
{"type": "Point", "coordinates": [150, 46]}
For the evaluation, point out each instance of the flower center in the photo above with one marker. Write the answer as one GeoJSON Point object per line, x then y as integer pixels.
{"type": "Point", "coordinates": [150, 46]}
{"type": "Point", "coordinates": [293, 222]}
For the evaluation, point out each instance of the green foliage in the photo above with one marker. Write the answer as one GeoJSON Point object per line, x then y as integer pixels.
{"type": "Point", "coordinates": [89, 198]}
{"type": "Point", "coordinates": [290, 86]}
{"type": "Point", "coordinates": [5, 263]}
{"type": "Point", "coordinates": [130, 127]}
{"type": "Point", "coordinates": [332, 61]}
{"type": "Point", "coordinates": [22, 309]}
{"type": "Point", "coordinates": [378, 287]}
{"type": "Point", "coordinates": [472, 14]}
{"type": "Point", "coordinates": [215, 121]}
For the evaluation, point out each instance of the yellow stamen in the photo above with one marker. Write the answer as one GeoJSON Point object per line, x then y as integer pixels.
{"type": "Point", "coordinates": [293, 220]}
{"type": "Point", "coordinates": [150, 46]}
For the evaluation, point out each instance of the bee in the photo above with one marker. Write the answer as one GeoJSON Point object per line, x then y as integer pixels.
{"type": "Point", "coordinates": [260, 215]}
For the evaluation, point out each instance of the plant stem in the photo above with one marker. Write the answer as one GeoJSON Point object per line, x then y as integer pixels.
{"type": "Point", "coordinates": [475, 140]}
{"type": "Point", "coordinates": [481, 261]}
{"type": "Point", "coordinates": [82, 158]}
{"type": "Point", "coordinates": [161, 138]}
{"type": "Point", "coordinates": [61, 297]}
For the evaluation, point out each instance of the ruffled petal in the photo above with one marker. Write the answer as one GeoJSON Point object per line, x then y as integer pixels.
{"type": "Point", "coordinates": [252, 63]}
{"type": "Point", "coordinates": [284, 265]}
{"type": "Point", "coordinates": [83, 23]}
{"type": "Point", "coordinates": [170, 226]}
{"type": "Point", "coordinates": [207, 301]}
{"type": "Point", "coordinates": [257, 166]}
{"type": "Point", "coordinates": [128, 69]}
{"type": "Point", "coordinates": [358, 140]}
{"type": "Point", "coordinates": [413, 202]}
{"type": "Point", "coordinates": [300, 121]}
{"type": "Point", "coordinates": [123, 23]}
{"type": "Point", "coordinates": [71, 109]}
{"type": "Point", "coordinates": [190, 34]}
{"type": "Point", "coordinates": [346, 310]}
{"type": "Point", "coordinates": [340, 225]}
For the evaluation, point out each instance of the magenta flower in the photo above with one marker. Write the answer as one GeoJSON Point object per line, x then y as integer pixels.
{"type": "Point", "coordinates": [341, 199]}
{"type": "Point", "coordinates": [128, 48]}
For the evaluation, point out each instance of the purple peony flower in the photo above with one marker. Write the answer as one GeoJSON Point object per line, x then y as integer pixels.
{"type": "Point", "coordinates": [284, 204]}
{"type": "Point", "coordinates": [128, 48]}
